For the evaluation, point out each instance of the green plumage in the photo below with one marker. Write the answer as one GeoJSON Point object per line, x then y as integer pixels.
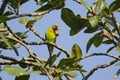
{"type": "Point", "coordinates": [51, 37]}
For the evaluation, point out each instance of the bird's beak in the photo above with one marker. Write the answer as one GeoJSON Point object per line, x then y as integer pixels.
{"type": "Point", "coordinates": [57, 28]}
{"type": "Point", "coordinates": [57, 33]}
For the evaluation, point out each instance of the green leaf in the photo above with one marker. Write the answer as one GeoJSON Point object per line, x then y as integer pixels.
{"type": "Point", "coordinates": [27, 22]}
{"type": "Point", "coordinates": [109, 20]}
{"type": "Point", "coordinates": [86, 5]}
{"type": "Point", "coordinates": [91, 30]}
{"type": "Point", "coordinates": [44, 8]}
{"type": "Point", "coordinates": [15, 70]}
{"type": "Point", "coordinates": [52, 59]}
{"type": "Point", "coordinates": [23, 20]}
{"type": "Point", "coordinates": [16, 3]}
{"type": "Point", "coordinates": [81, 23]}
{"type": "Point", "coordinates": [118, 64]}
{"type": "Point", "coordinates": [66, 62]}
{"type": "Point", "coordinates": [89, 43]}
{"type": "Point", "coordinates": [35, 72]}
{"type": "Point", "coordinates": [5, 40]}
{"type": "Point", "coordinates": [23, 77]}
{"type": "Point", "coordinates": [56, 4]}
{"type": "Point", "coordinates": [74, 68]}
{"type": "Point", "coordinates": [98, 40]}
{"type": "Point", "coordinates": [118, 48]}
{"type": "Point", "coordinates": [68, 17]}
{"type": "Point", "coordinates": [70, 73]}
{"type": "Point", "coordinates": [76, 23]}
{"type": "Point", "coordinates": [56, 78]}
{"type": "Point", "coordinates": [40, 2]}
{"type": "Point", "coordinates": [23, 1]}
{"type": "Point", "coordinates": [0, 78]}
{"type": "Point", "coordinates": [15, 50]}
{"type": "Point", "coordinates": [111, 48]}
{"type": "Point", "coordinates": [30, 23]}
{"type": "Point", "coordinates": [108, 42]}
{"type": "Point", "coordinates": [3, 19]}
{"type": "Point", "coordinates": [8, 13]}
{"type": "Point", "coordinates": [37, 18]}
{"type": "Point", "coordinates": [82, 70]}
{"type": "Point", "coordinates": [100, 5]}
{"type": "Point", "coordinates": [12, 43]}
{"type": "Point", "coordinates": [37, 64]}
{"type": "Point", "coordinates": [93, 21]}
{"type": "Point", "coordinates": [2, 26]}
{"type": "Point", "coordinates": [76, 52]}
{"type": "Point", "coordinates": [22, 35]}
{"type": "Point", "coordinates": [115, 5]}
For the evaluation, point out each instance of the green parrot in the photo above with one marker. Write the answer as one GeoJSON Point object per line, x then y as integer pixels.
{"type": "Point", "coordinates": [51, 36]}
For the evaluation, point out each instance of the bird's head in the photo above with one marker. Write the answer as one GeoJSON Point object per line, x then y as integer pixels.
{"type": "Point", "coordinates": [55, 27]}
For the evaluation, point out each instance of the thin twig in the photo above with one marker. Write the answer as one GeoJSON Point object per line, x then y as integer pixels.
{"type": "Point", "coordinates": [11, 60]}
{"type": "Point", "coordinates": [68, 77]}
{"type": "Point", "coordinates": [37, 34]}
{"type": "Point", "coordinates": [8, 58]}
{"type": "Point", "coordinates": [100, 54]}
{"type": "Point", "coordinates": [116, 75]}
{"type": "Point", "coordinates": [3, 6]}
{"type": "Point", "coordinates": [9, 29]}
{"type": "Point", "coordinates": [110, 32]}
{"type": "Point", "coordinates": [7, 63]}
{"type": "Point", "coordinates": [29, 14]}
{"type": "Point", "coordinates": [99, 67]}
{"type": "Point", "coordinates": [115, 24]}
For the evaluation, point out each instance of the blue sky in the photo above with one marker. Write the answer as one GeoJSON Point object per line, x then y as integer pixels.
{"type": "Point", "coordinates": [64, 40]}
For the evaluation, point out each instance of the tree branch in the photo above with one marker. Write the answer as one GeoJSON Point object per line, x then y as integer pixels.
{"type": "Point", "coordinates": [17, 39]}
{"type": "Point", "coordinates": [9, 58]}
{"type": "Point", "coordinates": [15, 61]}
{"type": "Point", "coordinates": [99, 67]}
{"type": "Point", "coordinates": [117, 58]}
{"type": "Point", "coordinates": [7, 63]}
{"type": "Point", "coordinates": [29, 14]}
{"type": "Point", "coordinates": [100, 54]}
{"type": "Point", "coordinates": [37, 34]}
{"type": "Point", "coordinates": [47, 42]}
{"type": "Point", "coordinates": [116, 75]}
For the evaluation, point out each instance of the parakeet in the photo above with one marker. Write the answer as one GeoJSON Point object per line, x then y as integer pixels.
{"type": "Point", "coordinates": [51, 36]}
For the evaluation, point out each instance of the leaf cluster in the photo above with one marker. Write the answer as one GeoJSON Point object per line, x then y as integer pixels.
{"type": "Point", "coordinates": [99, 20]}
